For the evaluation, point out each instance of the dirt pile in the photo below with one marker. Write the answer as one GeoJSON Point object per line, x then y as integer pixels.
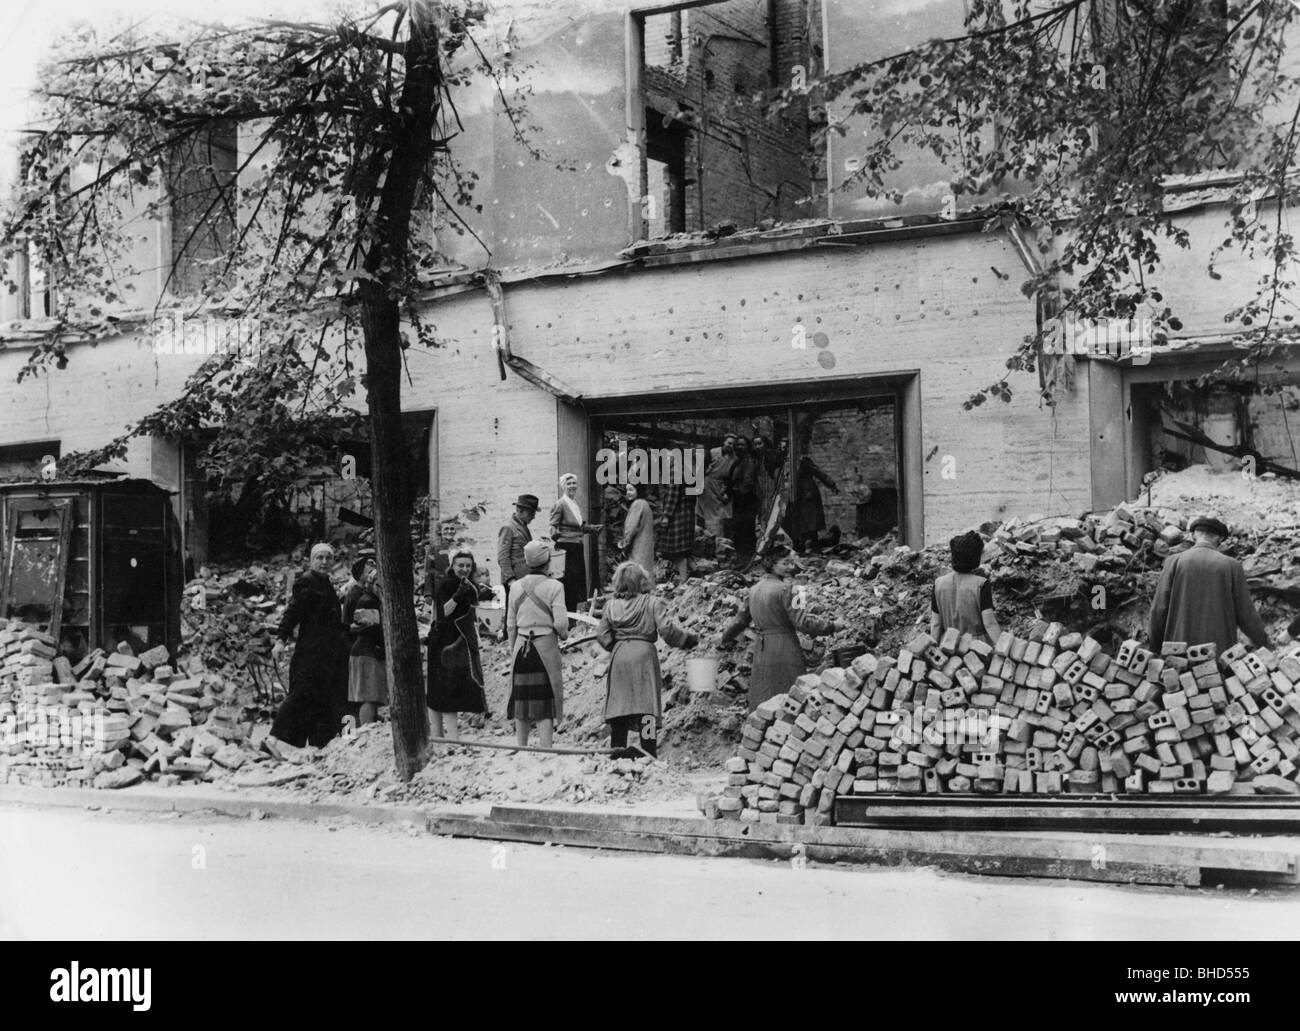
{"type": "Point", "coordinates": [1250, 503]}
{"type": "Point", "coordinates": [361, 765]}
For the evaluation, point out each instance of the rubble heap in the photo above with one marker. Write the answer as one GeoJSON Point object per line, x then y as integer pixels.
{"type": "Point", "coordinates": [359, 766]}
{"type": "Point", "coordinates": [113, 719]}
{"type": "Point", "coordinates": [1097, 572]}
{"type": "Point", "coordinates": [1046, 713]}
{"type": "Point", "coordinates": [227, 613]}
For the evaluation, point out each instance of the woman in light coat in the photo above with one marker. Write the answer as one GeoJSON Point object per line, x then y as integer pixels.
{"type": "Point", "coordinates": [536, 623]}
{"type": "Point", "coordinates": [639, 530]}
{"type": "Point", "coordinates": [631, 623]}
{"type": "Point", "coordinates": [569, 529]}
{"type": "Point", "coordinates": [778, 656]}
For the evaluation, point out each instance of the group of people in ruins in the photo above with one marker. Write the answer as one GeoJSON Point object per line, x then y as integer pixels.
{"type": "Point", "coordinates": [338, 663]}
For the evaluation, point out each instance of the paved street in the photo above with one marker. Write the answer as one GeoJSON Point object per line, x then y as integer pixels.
{"type": "Point", "coordinates": [74, 874]}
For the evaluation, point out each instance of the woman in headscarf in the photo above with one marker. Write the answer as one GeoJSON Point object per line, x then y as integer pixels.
{"type": "Point", "coordinates": [455, 678]}
{"type": "Point", "coordinates": [536, 623]}
{"type": "Point", "coordinates": [778, 656]}
{"type": "Point", "coordinates": [639, 530]}
{"type": "Point", "coordinates": [568, 530]}
{"type": "Point", "coordinates": [631, 623]}
{"type": "Point", "coordinates": [318, 671]}
{"type": "Point", "coordinates": [367, 677]}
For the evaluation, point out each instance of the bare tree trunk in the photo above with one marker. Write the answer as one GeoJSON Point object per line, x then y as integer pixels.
{"type": "Point", "coordinates": [411, 150]}
{"type": "Point", "coordinates": [392, 498]}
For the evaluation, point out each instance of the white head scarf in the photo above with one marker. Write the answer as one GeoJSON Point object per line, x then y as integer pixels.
{"type": "Point", "coordinates": [570, 505]}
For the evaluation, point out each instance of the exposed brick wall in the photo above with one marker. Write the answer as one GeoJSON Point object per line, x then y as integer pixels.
{"type": "Point", "coordinates": [739, 165]}
{"type": "Point", "coordinates": [857, 450]}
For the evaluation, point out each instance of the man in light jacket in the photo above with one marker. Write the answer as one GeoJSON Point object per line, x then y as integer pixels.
{"type": "Point", "coordinates": [512, 538]}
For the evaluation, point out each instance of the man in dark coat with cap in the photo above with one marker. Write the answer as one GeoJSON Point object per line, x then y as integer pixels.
{"type": "Point", "coordinates": [512, 538]}
{"type": "Point", "coordinates": [1202, 595]}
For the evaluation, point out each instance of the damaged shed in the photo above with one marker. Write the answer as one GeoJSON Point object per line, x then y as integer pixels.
{"type": "Point", "coordinates": [93, 563]}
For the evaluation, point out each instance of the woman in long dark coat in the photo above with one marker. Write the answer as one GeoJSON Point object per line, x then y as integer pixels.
{"type": "Point", "coordinates": [453, 691]}
{"type": "Point", "coordinates": [318, 672]}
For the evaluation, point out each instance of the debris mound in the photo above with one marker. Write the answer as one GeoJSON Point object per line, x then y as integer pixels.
{"type": "Point", "coordinates": [1049, 713]}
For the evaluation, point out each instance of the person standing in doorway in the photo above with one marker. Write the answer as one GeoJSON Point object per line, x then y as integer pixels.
{"type": "Point", "coordinates": [807, 516]}
{"type": "Point", "coordinates": [536, 623]}
{"type": "Point", "coordinates": [630, 624]}
{"type": "Point", "coordinates": [614, 506]}
{"type": "Point", "coordinates": [715, 502]}
{"type": "Point", "coordinates": [743, 487]}
{"type": "Point", "coordinates": [676, 528]}
{"type": "Point", "coordinates": [639, 529]}
{"type": "Point", "coordinates": [569, 530]}
{"type": "Point", "coordinates": [512, 540]}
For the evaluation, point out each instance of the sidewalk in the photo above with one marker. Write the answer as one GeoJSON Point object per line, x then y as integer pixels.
{"type": "Point", "coordinates": [676, 828]}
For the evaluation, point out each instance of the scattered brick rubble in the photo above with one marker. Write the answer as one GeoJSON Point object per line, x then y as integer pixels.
{"type": "Point", "coordinates": [113, 719]}
{"type": "Point", "coordinates": [118, 719]}
{"type": "Point", "coordinates": [1047, 713]}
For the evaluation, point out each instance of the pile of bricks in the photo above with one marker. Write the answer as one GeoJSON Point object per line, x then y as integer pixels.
{"type": "Point", "coordinates": [111, 720]}
{"type": "Point", "coordinates": [1120, 535]}
{"type": "Point", "coordinates": [1049, 713]}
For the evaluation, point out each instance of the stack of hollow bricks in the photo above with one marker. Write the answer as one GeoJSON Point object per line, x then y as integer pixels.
{"type": "Point", "coordinates": [1043, 714]}
{"type": "Point", "coordinates": [63, 724]}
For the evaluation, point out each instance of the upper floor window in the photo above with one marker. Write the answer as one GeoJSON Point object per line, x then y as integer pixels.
{"type": "Point", "coordinates": [201, 188]}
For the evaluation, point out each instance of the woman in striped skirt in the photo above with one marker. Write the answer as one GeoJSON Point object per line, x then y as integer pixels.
{"type": "Point", "coordinates": [536, 623]}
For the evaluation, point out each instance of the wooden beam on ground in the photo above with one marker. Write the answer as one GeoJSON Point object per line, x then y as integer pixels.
{"type": "Point", "coordinates": [1127, 859]}
{"type": "Point", "coordinates": [1242, 815]}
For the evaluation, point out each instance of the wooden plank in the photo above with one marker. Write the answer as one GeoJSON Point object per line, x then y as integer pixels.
{"type": "Point", "coordinates": [1093, 815]}
{"type": "Point", "coordinates": [742, 847]}
{"type": "Point", "coordinates": [1249, 855]}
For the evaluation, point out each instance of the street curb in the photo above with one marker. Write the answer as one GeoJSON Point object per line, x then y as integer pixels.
{"type": "Point", "coordinates": [183, 800]}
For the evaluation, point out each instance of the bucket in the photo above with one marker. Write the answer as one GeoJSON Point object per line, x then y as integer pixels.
{"type": "Point", "coordinates": [701, 673]}
{"type": "Point", "coordinates": [843, 657]}
{"type": "Point", "coordinates": [491, 615]}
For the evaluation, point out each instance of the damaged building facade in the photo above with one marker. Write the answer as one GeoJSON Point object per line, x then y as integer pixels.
{"type": "Point", "coordinates": [688, 274]}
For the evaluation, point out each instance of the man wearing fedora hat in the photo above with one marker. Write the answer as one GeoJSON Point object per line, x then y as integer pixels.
{"type": "Point", "coordinates": [1202, 595]}
{"type": "Point", "coordinates": [512, 538]}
